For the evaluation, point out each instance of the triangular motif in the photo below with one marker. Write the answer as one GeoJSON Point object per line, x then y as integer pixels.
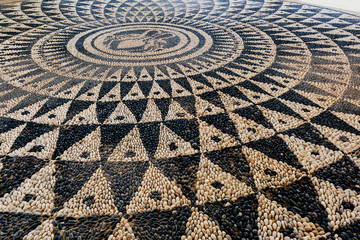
{"type": "Point", "coordinates": [152, 113]}
{"type": "Point", "coordinates": [121, 114]}
{"type": "Point", "coordinates": [42, 147]}
{"type": "Point", "coordinates": [311, 156]}
{"type": "Point", "coordinates": [94, 198]}
{"type": "Point", "coordinates": [212, 138]}
{"type": "Point", "coordinates": [55, 116]}
{"type": "Point", "coordinates": [34, 196]}
{"type": "Point", "coordinates": [280, 121]}
{"type": "Point", "coordinates": [268, 172]}
{"type": "Point", "coordinates": [87, 116]}
{"type": "Point", "coordinates": [213, 184]}
{"type": "Point", "coordinates": [249, 130]}
{"type": "Point", "coordinates": [85, 150]}
{"type": "Point", "coordinates": [345, 141]}
{"type": "Point", "coordinates": [199, 222]}
{"type": "Point", "coordinates": [171, 145]}
{"type": "Point", "coordinates": [156, 192]}
{"type": "Point", "coordinates": [130, 148]}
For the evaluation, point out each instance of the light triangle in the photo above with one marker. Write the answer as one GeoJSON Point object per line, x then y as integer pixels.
{"type": "Point", "coordinates": [41, 147]}
{"type": "Point", "coordinates": [121, 114]}
{"type": "Point", "coordinates": [130, 148]}
{"type": "Point", "coordinates": [205, 108]}
{"type": "Point", "coordinates": [280, 121]}
{"type": "Point", "coordinates": [122, 231]}
{"type": "Point", "coordinates": [85, 150]}
{"type": "Point", "coordinates": [248, 130]}
{"type": "Point", "coordinates": [345, 141]}
{"type": "Point", "coordinates": [27, 113]}
{"type": "Point", "coordinates": [93, 199]}
{"type": "Point", "coordinates": [228, 187]}
{"type": "Point", "coordinates": [171, 145]}
{"type": "Point", "coordinates": [156, 192]}
{"type": "Point", "coordinates": [268, 172]}
{"type": "Point", "coordinates": [311, 156]}
{"type": "Point", "coordinates": [34, 196]}
{"type": "Point", "coordinates": [55, 116]}
{"type": "Point", "coordinates": [151, 113]}
{"type": "Point", "coordinates": [177, 112]}
{"type": "Point", "coordinates": [305, 111]}
{"type": "Point", "coordinates": [212, 138]}
{"type": "Point", "coordinates": [135, 93]}
{"type": "Point", "coordinates": [87, 116]}
{"type": "Point", "coordinates": [199, 222]}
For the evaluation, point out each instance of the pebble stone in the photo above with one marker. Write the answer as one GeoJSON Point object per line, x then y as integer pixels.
{"type": "Point", "coordinates": [173, 119]}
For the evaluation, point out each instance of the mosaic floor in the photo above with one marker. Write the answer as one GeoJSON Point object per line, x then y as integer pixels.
{"type": "Point", "coordinates": [177, 119]}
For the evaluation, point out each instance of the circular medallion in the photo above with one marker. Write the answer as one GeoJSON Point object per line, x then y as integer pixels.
{"type": "Point", "coordinates": [145, 44]}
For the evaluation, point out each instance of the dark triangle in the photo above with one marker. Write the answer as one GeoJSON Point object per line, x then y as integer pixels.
{"type": "Point", "coordinates": [187, 103]}
{"type": "Point", "coordinates": [69, 135]}
{"type": "Point", "coordinates": [50, 105]}
{"type": "Point", "coordinates": [235, 92]}
{"type": "Point", "coordinates": [301, 198]}
{"type": "Point", "coordinates": [201, 79]}
{"type": "Point", "coordinates": [182, 170]}
{"type": "Point", "coordinates": [145, 87]}
{"type": "Point", "coordinates": [151, 71]}
{"type": "Point", "coordinates": [27, 101]}
{"type": "Point", "coordinates": [344, 173]}
{"type": "Point", "coordinates": [106, 87]}
{"type": "Point", "coordinates": [330, 120]}
{"type": "Point", "coordinates": [87, 87]}
{"type": "Point", "coordinates": [254, 114]}
{"type": "Point", "coordinates": [104, 110]}
{"type": "Point", "coordinates": [163, 105]}
{"type": "Point", "coordinates": [251, 86]}
{"type": "Point", "coordinates": [18, 225]}
{"type": "Point", "coordinates": [213, 97]}
{"type": "Point", "coordinates": [165, 84]}
{"type": "Point", "coordinates": [308, 133]}
{"type": "Point", "coordinates": [167, 229]}
{"type": "Point", "coordinates": [93, 227]}
{"type": "Point", "coordinates": [125, 88]}
{"type": "Point", "coordinates": [70, 178]}
{"type": "Point", "coordinates": [186, 129]}
{"type": "Point", "coordinates": [15, 170]}
{"type": "Point", "coordinates": [149, 134]}
{"type": "Point", "coordinates": [75, 108]}
{"type": "Point", "coordinates": [277, 149]}
{"type": "Point", "coordinates": [184, 83]}
{"type": "Point", "coordinates": [240, 215]}
{"type": "Point", "coordinates": [233, 161]}
{"type": "Point", "coordinates": [137, 107]}
{"type": "Point", "coordinates": [124, 179]}
{"type": "Point", "coordinates": [278, 106]}
{"type": "Point", "coordinates": [295, 97]}
{"type": "Point", "coordinates": [111, 135]}
{"type": "Point", "coordinates": [7, 124]}
{"type": "Point", "coordinates": [221, 122]}
{"type": "Point", "coordinates": [29, 133]}
{"type": "Point", "coordinates": [345, 107]}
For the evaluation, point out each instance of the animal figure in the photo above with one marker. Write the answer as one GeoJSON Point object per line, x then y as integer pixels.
{"type": "Point", "coordinates": [150, 40]}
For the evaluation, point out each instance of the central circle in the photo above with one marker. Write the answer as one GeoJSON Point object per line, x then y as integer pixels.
{"type": "Point", "coordinates": [167, 49]}
{"type": "Point", "coordinates": [140, 44]}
